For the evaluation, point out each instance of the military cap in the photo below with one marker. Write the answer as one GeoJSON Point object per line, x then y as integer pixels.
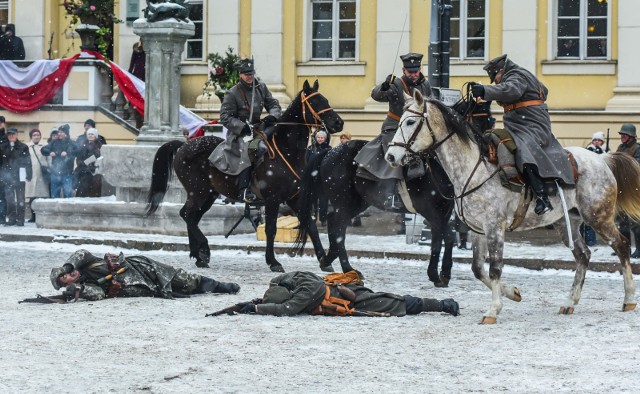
{"type": "Point", "coordinates": [245, 66]}
{"type": "Point", "coordinates": [412, 61]}
{"type": "Point", "coordinates": [276, 295]}
{"type": "Point", "coordinates": [494, 66]}
{"type": "Point", "coordinates": [55, 274]}
{"type": "Point", "coordinates": [12, 130]}
{"type": "Point", "coordinates": [628, 129]}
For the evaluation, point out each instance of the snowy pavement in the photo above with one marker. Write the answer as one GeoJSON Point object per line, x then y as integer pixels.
{"type": "Point", "coordinates": [164, 346]}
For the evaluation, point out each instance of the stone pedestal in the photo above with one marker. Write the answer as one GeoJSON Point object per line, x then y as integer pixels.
{"type": "Point", "coordinates": [163, 44]}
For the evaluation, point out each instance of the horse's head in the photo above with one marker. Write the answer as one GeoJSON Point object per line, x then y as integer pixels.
{"type": "Point", "coordinates": [424, 125]}
{"type": "Point", "coordinates": [316, 109]}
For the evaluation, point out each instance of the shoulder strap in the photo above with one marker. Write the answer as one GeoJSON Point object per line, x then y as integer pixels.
{"type": "Point", "coordinates": [36, 153]}
{"type": "Point", "coordinates": [406, 88]}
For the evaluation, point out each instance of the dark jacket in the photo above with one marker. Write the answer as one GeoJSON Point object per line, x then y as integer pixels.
{"type": "Point", "coordinates": [315, 149]}
{"type": "Point", "coordinates": [84, 173]}
{"type": "Point", "coordinates": [309, 290]}
{"type": "Point", "coordinates": [12, 158]}
{"type": "Point", "coordinates": [371, 156]}
{"type": "Point", "coordinates": [232, 157]}
{"type": "Point", "coordinates": [530, 126]}
{"type": "Point", "coordinates": [11, 47]}
{"type": "Point", "coordinates": [61, 165]}
{"type": "Point", "coordinates": [632, 148]}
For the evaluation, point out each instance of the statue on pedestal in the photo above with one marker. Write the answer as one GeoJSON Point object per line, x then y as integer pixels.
{"type": "Point", "coordinates": [161, 10]}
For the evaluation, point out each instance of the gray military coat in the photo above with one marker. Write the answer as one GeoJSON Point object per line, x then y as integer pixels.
{"type": "Point", "coordinates": [371, 156]}
{"type": "Point", "coordinates": [309, 290]}
{"type": "Point", "coordinates": [530, 126]}
{"type": "Point", "coordinates": [143, 277]}
{"type": "Point", "coordinates": [232, 156]}
{"type": "Point", "coordinates": [632, 148]}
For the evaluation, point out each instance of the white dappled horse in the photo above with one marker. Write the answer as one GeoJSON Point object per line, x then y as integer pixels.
{"type": "Point", "coordinates": [607, 185]}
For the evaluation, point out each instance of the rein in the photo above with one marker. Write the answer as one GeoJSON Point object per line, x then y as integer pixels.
{"type": "Point", "coordinates": [319, 124]}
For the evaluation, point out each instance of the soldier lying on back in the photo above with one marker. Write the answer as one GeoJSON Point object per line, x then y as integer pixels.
{"type": "Point", "coordinates": [302, 292]}
{"type": "Point", "coordinates": [94, 278]}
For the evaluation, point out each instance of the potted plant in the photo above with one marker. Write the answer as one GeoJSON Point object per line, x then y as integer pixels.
{"type": "Point", "coordinates": [223, 75]}
{"type": "Point", "coordinates": [94, 21]}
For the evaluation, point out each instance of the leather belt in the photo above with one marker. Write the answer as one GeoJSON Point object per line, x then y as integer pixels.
{"type": "Point", "coordinates": [393, 116]}
{"type": "Point", "coordinates": [522, 104]}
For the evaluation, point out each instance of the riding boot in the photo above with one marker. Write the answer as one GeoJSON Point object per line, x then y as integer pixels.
{"type": "Point", "coordinates": [542, 201]}
{"type": "Point", "coordinates": [392, 201]}
{"type": "Point", "coordinates": [449, 306]}
{"type": "Point", "coordinates": [244, 192]}
{"type": "Point", "coordinates": [208, 285]}
{"type": "Point", "coordinates": [463, 241]}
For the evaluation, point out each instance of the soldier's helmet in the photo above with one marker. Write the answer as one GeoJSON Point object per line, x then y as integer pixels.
{"type": "Point", "coordinates": [276, 295]}
{"type": "Point", "coordinates": [494, 66]}
{"type": "Point", "coordinates": [628, 129]}
{"type": "Point", "coordinates": [245, 66]}
{"type": "Point", "coordinates": [412, 61]}
{"type": "Point", "coordinates": [57, 272]}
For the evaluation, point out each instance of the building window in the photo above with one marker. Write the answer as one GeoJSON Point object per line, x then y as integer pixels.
{"type": "Point", "coordinates": [582, 29]}
{"type": "Point", "coordinates": [334, 29]}
{"type": "Point", "coordinates": [4, 13]}
{"type": "Point", "coordinates": [468, 29]}
{"type": "Point", "coordinates": [195, 44]}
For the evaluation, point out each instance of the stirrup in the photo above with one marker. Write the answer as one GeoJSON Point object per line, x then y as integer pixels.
{"type": "Point", "coordinates": [542, 206]}
{"type": "Point", "coordinates": [247, 196]}
{"type": "Point", "coordinates": [393, 202]}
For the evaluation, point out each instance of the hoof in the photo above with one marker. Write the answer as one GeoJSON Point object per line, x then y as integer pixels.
{"type": "Point", "coordinates": [444, 280]}
{"type": "Point", "coordinates": [327, 268]}
{"type": "Point", "coordinates": [488, 320]}
{"type": "Point", "coordinates": [202, 264]}
{"type": "Point", "coordinates": [440, 284]}
{"type": "Point", "coordinates": [516, 295]}
{"type": "Point", "coordinates": [566, 310]}
{"type": "Point", "coordinates": [276, 267]}
{"type": "Point", "coordinates": [628, 307]}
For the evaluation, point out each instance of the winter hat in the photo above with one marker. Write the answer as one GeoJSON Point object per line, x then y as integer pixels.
{"type": "Point", "coordinates": [90, 122]}
{"type": "Point", "coordinates": [598, 135]}
{"type": "Point", "coordinates": [65, 128]}
{"type": "Point", "coordinates": [321, 134]}
{"type": "Point", "coordinates": [93, 131]}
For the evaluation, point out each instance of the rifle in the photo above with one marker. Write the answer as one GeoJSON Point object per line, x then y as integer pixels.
{"type": "Point", "coordinates": [110, 276]}
{"type": "Point", "coordinates": [369, 314]}
{"type": "Point", "coordinates": [606, 149]}
{"type": "Point", "coordinates": [40, 299]}
{"type": "Point", "coordinates": [233, 309]}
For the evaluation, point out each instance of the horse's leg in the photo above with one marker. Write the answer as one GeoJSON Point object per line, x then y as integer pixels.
{"type": "Point", "coordinates": [312, 230]}
{"type": "Point", "coordinates": [447, 257]}
{"type": "Point", "coordinates": [339, 234]}
{"type": "Point", "coordinates": [192, 213]}
{"type": "Point", "coordinates": [480, 254]}
{"type": "Point", "coordinates": [495, 247]}
{"type": "Point", "coordinates": [609, 232]}
{"type": "Point", "coordinates": [581, 254]}
{"type": "Point", "coordinates": [437, 236]}
{"type": "Point", "coordinates": [270, 228]}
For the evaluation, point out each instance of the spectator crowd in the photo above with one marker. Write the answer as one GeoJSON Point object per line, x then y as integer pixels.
{"type": "Point", "coordinates": [57, 167]}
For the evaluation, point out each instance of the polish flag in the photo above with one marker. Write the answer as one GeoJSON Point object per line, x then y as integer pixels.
{"type": "Point", "coordinates": [25, 89]}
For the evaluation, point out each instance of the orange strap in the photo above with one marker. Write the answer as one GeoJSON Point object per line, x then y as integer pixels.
{"type": "Point", "coordinates": [393, 116]}
{"type": "Point", "coordinates": [574, 165]}
{"type": "Point", "coordinates": [522, 104]}
{"type": "Point", "coordinates": [332, 305]}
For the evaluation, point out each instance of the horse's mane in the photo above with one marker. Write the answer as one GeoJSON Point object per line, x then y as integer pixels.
{"type": "Point", "coordinates": [455, 122]}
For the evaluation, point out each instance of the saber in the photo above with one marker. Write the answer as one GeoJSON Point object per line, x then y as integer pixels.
{"type": "Point", "coordinates": [253, 95]}
{"type": "Point", "coordinates": [566, 215]}
{"type": "Point", "coordinates": [395, 60]}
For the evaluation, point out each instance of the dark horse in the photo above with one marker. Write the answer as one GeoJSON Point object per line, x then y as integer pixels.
{"type": "Point", "coordinates": [276, 179]}
{"type": "Point", "coordinates": [334, 174]}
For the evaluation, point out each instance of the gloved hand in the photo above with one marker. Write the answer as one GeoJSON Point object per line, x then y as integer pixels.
{"type": "Point", "coordinates": [269, 120]}
{"type": "Point", "coordinates": [387, 83]}
{"type": "Point", "coordinates": [70, 292]}
{"type": "Point", "coordinates": [248, 307]}
{"type": "Point", "coordinates": [450, 306]}
{"type": "Point", "coordinates": [477, 90]}
{"type": "Point", "coordinates": [246, 130]}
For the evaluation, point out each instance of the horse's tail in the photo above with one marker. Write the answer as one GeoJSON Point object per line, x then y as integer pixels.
{"type": "Point", "coordinates": [626, 171]}
{"type": "Point", "coordinates": [309, 185]}
{"type": "Point", "coordinates": [161, 175]}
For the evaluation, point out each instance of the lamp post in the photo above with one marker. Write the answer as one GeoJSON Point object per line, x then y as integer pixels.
{"type": "Point", "coordinates": [439, 43]}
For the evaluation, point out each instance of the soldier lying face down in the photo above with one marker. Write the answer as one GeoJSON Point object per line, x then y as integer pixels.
{"type": "Point", "coordinates": [94, 278]}
{"type": "Point", "coordinates": [302, 292]}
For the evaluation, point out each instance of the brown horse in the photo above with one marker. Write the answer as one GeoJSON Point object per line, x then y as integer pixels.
{"type": "Point", "coordinates": [275, 180]}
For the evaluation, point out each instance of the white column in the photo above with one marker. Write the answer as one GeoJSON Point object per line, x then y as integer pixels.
{"type": "Point", "coordinates": [627, 93]}
{"type": "Point", "coordinates": [391, 40]}
{"type": "Point", "coordinates": [223, 25]}
{"type": "Point", "coordinates": [519, 34]}
{"type": "Point", "coordinates": [31, 32]}
{"type": "Point", "coordinates": [266, 45]}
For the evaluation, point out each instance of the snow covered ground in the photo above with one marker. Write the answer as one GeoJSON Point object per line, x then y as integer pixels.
{"type": "Point", "coordinates": [158, 346]}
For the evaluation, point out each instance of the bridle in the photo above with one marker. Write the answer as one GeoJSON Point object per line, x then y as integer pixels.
{"type": "Point", "coordinates": [431, 151]}
{"type": "Point", "coordinates": [313, 128]}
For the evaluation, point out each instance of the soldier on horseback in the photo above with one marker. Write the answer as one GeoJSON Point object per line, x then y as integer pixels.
{"type": "Point", "coordinates": [239, 112]}
{"type": "Point", "coordinates": [372, 164]}
{"type": "Point", "coordinates": [539, 155]}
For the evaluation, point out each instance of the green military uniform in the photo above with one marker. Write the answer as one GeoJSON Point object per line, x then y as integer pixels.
{"type": "Point", "coordinates": [307, 291]}
{"type": "Point", "coordinates": [142, 277]}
